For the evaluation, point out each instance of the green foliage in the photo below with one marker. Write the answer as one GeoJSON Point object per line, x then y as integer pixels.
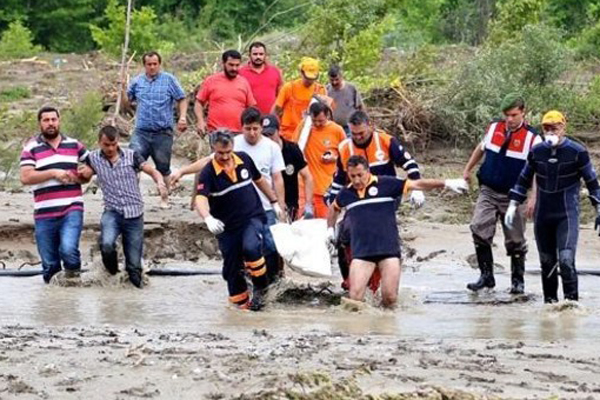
{"type": "Point", "coordinates": [465, 21]}
{"type": "Point", "coordinates": [416, 24]}
{"type": "Point", "coordinates": [143, 34]}
{"type": "Point", "coordinates": [16, 129]}
{"type": "Point", "coordinates": [334, 22]}
{"type": "Point", "coordinates": [529, 64]}
{"type": "Point", "coordinates": [14, 93]}
{"type": "Point", "coordinates": [513, 16]}
{"type": "Point", "coordinates": [82, 120]}
{"type": "Point", "coordinates": [16, 42]}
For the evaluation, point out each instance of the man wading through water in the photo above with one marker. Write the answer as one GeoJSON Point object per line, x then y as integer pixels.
{"type": "Point", "coordinates": [504, 150]}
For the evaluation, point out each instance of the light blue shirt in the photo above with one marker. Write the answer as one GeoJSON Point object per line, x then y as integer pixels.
{"type": "Point", "coordinates": [155, 99]}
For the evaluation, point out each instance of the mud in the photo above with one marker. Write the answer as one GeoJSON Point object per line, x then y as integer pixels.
{"type": "Point", "coordinates": [178, 338]}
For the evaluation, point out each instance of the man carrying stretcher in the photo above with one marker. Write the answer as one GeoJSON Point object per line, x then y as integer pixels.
{"type": "Point", "coordinates": [370, 203]}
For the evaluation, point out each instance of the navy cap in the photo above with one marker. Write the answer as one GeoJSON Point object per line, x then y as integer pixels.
{"type": "Point", "coordinates": [270, 124]}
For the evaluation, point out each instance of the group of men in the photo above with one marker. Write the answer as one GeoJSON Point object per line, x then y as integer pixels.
{"type": "Point", "coordinates": [258, 174]}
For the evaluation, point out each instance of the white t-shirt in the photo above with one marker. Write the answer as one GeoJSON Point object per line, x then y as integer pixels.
{"type": "Point", "coordinates": [267, 156]}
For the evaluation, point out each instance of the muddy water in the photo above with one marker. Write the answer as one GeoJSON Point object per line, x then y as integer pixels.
{"type": "Point", "coordinates": [434, 304]}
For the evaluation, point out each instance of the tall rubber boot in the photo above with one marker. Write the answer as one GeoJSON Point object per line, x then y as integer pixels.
{"type": "Point", "coordinates": [273, 268]}
{"type": "Point", "coordinates": [568, 274]}
{"type": "Point", "coordinates": [517, 268]}
{"type": "Point", "coordinates": [485, 259]}
{"type": "Point", "coordinates": [549, 278]}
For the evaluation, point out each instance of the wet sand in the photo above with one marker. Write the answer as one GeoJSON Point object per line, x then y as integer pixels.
{"type": "Point", "coordinates": [178, 339]}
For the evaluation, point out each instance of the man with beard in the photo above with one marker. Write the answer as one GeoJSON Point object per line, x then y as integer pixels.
{"type": "Point", "coordinates": [155, 93]}
{"type": "Point", "coordinates": [345, 96]}
{"type": "Point", "coordinates": [49, 163]}
{"type": "Point", "coordinates": [264, 78]}
{"type": "Point", "coordinates": [504, 151]}
{"type": "Point", "coordinates": [294, 98]}
{"type": "Point", "coordinates": [558, 165]}
{"type": "Point", "coordinates": [226, 94]}
{"type": "Point", "coordinates": [384, 153]}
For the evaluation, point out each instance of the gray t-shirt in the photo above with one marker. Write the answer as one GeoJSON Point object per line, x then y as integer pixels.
{"type": "Point", "coordinates": [346, 101]}
{"type": "Point", "coordinates": [267, 157]}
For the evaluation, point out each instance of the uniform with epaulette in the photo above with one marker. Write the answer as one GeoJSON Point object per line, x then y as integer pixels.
{"type": "Point", "coordinates": [234, 201]}
{"type": "Point", "coordinates": [371, 214]}
{"type": "Point", "coordinates": [505, 153]}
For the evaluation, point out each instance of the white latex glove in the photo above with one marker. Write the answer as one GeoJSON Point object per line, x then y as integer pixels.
{"type": "Point", "coordinates": [331, 240]}
{"type": "Point", "coordinates": [279, 212]}
{"type": "Point", "coordinates": [511, 211]}
{"type": "Point", "coordinates": [417, 198]}
{"type": "Point", "coordinates": [456, 185]}
{"type": "Point", "coordinates": [214, 225]}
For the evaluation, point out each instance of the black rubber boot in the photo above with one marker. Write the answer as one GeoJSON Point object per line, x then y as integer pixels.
{"type": "Point", "coordinates": [568, 274]}
{"type": "Point", "coordinates": [485, 259]}
{"type": "Point", "coordinates": [259, 290]}
{"type": "Point", "coordinates": [258, 299]}
{"type": "Point", "coordinates": [549, 278]}
{"type": "Point", "coordinates": [517, 268]}
{"type": "Point", "coordinates": [273, 268]}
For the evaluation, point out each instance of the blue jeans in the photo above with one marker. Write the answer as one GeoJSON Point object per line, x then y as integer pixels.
{"type": "Point", "coordinates": [113, 224]}
{"type": "Point", "coordinates": [157, 144]}
{"type": "Point", "coordinates": [58, 241]}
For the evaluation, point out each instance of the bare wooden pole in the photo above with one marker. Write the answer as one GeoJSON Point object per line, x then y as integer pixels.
{"type": "Point", "coordinates": [123, 61]}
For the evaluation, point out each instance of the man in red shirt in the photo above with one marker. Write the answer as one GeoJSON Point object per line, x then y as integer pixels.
{"type": "Point", "coordinates": [226, 94]}
{"type": "Point", "coordinates": [265, 79]}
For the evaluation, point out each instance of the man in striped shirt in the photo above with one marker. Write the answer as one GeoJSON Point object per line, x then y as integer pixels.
{"type": "Point", "coordinates": [49, 163]}
{"type": "Point", "coordinates": [117, 171]}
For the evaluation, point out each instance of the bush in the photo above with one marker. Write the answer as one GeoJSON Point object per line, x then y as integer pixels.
{"type": "Point", "coordinates": [16, 42]}
{"type": "Point", "coordinates": [143, 34]}
{"type": "Point", "coordinates": [530, 64]}
{"type": "Point", "coordinates": [14, 93]}
{"type": "Point", "coordinates": [83, 119]}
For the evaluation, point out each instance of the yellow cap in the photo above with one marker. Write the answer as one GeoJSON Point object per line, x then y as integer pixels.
{"type": "Point", "coordinates": [310, 67]}
{"type": "Point", "coordinates": [553, 117]}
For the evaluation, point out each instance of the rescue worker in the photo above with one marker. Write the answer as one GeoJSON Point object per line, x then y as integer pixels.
{"type": "Point", "coordinates": [559, 164]}
{"type": "Point", "coordinates": [294, 98]}
{"type": "Point", "coordinates": [370, 203]}
{"type": "Point", "coordinates": [232, 210]}
{"type": "Point", "coordinates": [383, 152]}
{"type": "Point", "coordinates": [321, 154]}
{"type": "Point", "coordinates": [504, 151]}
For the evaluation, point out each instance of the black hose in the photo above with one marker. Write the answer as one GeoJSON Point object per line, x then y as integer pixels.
{"type": "Point", "coordinates": [153, 272]}
{"type": "Point", "coordinates": [181, 272]}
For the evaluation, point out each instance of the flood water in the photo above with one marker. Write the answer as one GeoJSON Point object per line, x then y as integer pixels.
{"type": "Point", "coordinates": [434, 304]}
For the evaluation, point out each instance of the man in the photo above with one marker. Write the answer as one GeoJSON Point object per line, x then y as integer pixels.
{"type": "Point", "coordinates": [384, 153]}
{"type": "Point", "coordinates": [321, 154]}
{"type": "Point", "coordinates": [226, 94]}
{"type": "Point", "coordinates": [49, 163]}
{"type": "Point", "coordinates": [265, 79]}
{"type": "Point", "coordinates": [345, 96]}
{"type": "Point", "coordinates": [370, 203]}
{"type": "Point", "coordinates": [558, 165]}
{"type": "Point", "coordinates": [117, 171]}
{"type": "Point", "coordinates": [504, 148]}
{"type": "Point", "coordinates": [294, 98]}
{"type": "Point", "coordinates": [295, 166]}
{"type": "Point", "coordinates": [268, 159]}
{"type": "Point", "coordinates": [155, 93]}
{"type": "Point", "coordinates": [232, 210]}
